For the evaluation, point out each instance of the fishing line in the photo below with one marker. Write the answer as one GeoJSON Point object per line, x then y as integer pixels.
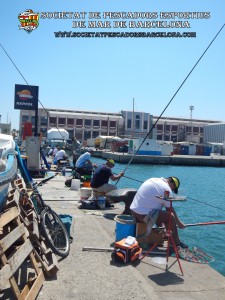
{"type": "Point", "coordinates": [28, 85]}
{"type": "Point", "coordinates": [205, 203]}
{"type": "Point", "coordinates": [153, 126]}
{"type": "Point", "coordinates": [187, 197]}
{"type": "Point", "coordinates": [132, 179]}
{"type": "Point", "coordinates": [135, 172]}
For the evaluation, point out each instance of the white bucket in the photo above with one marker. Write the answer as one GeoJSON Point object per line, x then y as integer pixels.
{"type": "Point", "coordinates": [68, 172]}
{"type": "Point", "coordinates": [75, 184]}
{"type": "Point", "coordinates": [85, 193]}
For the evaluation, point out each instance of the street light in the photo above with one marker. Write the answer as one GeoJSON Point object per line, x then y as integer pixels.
{"type": "Point", "coordinates": [191, 107]}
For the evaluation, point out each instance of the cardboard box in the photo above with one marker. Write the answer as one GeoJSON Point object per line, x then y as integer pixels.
{"type": "Point", "coordinates": [145, 242]}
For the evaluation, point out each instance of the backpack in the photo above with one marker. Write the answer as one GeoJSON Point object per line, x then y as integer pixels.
{"type": "Point", "coordinates": [126, 253]}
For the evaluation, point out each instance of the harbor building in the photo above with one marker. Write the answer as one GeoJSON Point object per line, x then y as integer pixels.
{"type": "Point", "coordinates": [180, 129]}
{"type": "Point", "coordinates": [138, 124]}
{"type": "Point", "coordinates": [127, 124]}
{"type": "Point", "coordinates": [5, 128]}
{"type": "Point", "coordinates": [80, 124]}
{"type": "Point", "coordinates": [214, 133]}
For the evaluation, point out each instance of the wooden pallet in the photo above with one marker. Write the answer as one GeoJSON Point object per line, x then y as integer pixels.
{"type": "Point", "coordinates": [29, 217]}
{"type": "Point", "coordinates": [15, 248]}
{"type": "Point", "coordinates": [25, 260]}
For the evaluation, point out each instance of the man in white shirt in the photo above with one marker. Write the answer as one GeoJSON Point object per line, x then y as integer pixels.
{"type": "Point", "coordinates": [61, 155]}
{"type": "Point", "coordinates": [55, 150]}
{"type": "Point", "coordinates": [147, 203]}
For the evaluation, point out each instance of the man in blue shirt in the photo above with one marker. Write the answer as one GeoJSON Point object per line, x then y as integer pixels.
{"type": "Point", "coordinates": [84, 166]}
{"type": "Point", "coordinates": [84, 158]}
{"type": "Point", "coordinates": [100, 181]}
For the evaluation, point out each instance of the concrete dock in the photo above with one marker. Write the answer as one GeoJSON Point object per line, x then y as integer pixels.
{"type": "Point", "coordinates": [214, 160]}
{"type": "Point", "coordinates": [91, 274]}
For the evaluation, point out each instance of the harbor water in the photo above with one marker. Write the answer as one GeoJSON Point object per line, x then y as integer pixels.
{"type": "Point", "coordinates": [204, 188]}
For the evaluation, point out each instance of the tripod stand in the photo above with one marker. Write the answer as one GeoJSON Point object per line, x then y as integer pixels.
{"type": "Point", "coordinates": [170, 240]}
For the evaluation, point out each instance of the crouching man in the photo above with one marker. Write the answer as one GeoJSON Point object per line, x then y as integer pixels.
{"type": "Point", "coordinates": [147, 207]}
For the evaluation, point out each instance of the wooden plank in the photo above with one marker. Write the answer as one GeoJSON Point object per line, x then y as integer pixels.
{"type": "Point", "coordinates": [19, 257]}
{"type": "Point", "coordinates": [19, 183]}
{"type": "Point", "coordinates": [6, 278]}
{"type": "Point", "coordinates": [10, 266]}
{"type": "Point", "coordinates": [34, 221]}
{"type": "Point", "coordinates": [5, 274]}
{"type": "Point", "coordinates": [15, 288]}
{"type": "Point", "coordinates": [8, 216]}
{"type": "Point", "coordinates": [49, 263]}
{"type": "Point", "coordinates": [34, 262]}
{"type": "Point", "coordinates": [41, 260]}
{"type": "Point", "coordinates": [13, 236]}
{"type": "Point", "coordinates": [34, 291]}
{"type": "Point", "coordinates": [10, 195]}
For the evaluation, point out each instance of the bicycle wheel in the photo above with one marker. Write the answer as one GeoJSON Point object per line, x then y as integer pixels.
{"type": "Point", "coordinates": [55, 232]}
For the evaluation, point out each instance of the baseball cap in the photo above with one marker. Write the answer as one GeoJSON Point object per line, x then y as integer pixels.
{"type": "Point", "coordinates": [176, 181]}
{"type": "Point", "coordinates": [111, 161]}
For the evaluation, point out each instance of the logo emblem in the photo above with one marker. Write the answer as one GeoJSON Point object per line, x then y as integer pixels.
{"type": "Point", "coordinates": [28, 20]}
{"type": "Point", "coordinates": [24, 95]}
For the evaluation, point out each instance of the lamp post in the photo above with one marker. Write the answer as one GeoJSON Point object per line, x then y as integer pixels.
{"type": "Point", "coordinates": [191, 107]}
{"type": "Point", "coordinates": [133, 120]}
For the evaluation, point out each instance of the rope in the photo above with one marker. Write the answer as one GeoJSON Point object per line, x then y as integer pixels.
{"type": "Point", "coordinates": [153, 126]}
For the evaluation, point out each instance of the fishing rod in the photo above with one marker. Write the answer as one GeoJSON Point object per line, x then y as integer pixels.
{"type": "Point", "coordinates": [33, 92]}
{"type": "Point", "coordinates": [207, 204]}
{"type": "Point", "coordinates": [199, 224]}
{"type": "Point", "coordinates": [153, 126]}
{"type": "Point", "coordinates": [47, 179]}
{"type": "Point", "coordinates": [205, 223]}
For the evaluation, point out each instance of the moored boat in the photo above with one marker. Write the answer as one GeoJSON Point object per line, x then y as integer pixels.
{"type": "Point", "coordinates": [8, 166]}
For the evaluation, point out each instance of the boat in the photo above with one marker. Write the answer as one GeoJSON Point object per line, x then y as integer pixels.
{"type": "Point", "coordinates": [8, 166]}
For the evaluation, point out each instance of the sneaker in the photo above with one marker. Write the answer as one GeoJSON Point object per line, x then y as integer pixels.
{"type": "Point", "coordinates": [182, 245]}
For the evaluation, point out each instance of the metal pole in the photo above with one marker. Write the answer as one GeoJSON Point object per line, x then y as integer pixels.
{"type": "Point", "coordinates": [36, 123]}
{"type": "Point", "coordinates": [133, 120]}
{"type": "Point", "coordinates": [191, 107]}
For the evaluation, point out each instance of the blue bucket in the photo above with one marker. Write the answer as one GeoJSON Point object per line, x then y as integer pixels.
{"type": "Point", "coordinates": [67, 221]}
{"type": "Point", "coordinates": [101, 202]}
{"type": "Point", "coordinates": [125, 226]}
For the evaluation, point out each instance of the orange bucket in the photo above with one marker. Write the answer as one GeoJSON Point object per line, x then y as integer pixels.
{"type": "Point", "coordinates": [86, 184]}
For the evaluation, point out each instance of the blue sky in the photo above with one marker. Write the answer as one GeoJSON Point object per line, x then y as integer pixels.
{"type": "Point", "coordinates": [105, 74]}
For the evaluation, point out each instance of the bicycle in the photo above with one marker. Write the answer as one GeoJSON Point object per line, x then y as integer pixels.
{"type": "Point", "coordinates": [50, 224]}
